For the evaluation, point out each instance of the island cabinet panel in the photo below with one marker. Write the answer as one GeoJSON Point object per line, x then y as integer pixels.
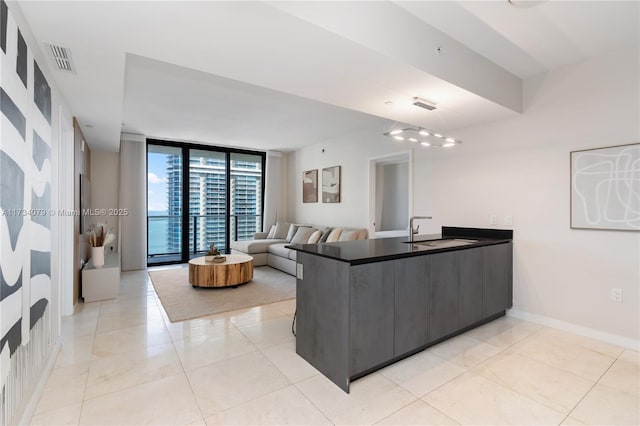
{"type": "Point", "coordinates": [353, 318]}
{"type": "Point", "coordinates": [443, 295]}
{"type": "Point", "coordinates": [411, 325]}
{"type": "Point", "coordinates": [497, 278]}
{"type": "Point", "coordinates": [322, 316]}
{"type": "Point", "coordinates": [371, 325]}
{"type": "Point", "coordinates": [469, 287]}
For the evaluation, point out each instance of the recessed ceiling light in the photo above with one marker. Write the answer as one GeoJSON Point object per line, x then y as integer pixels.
{"type": "Point", "coordinates": [425, 144]}
{"type": "Point", "coordinates": [395, 132]}
{"type": "Point", "coordinates": [398, 138]}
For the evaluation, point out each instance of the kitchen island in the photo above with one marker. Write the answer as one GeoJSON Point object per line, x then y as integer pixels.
{"type": "Point", "coordinates": [362, 305]}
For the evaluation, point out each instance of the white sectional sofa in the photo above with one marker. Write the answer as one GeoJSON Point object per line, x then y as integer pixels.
{"type": "Point", "coordinates": [269, 248]}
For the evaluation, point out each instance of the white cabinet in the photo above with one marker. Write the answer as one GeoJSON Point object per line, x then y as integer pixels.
{"type": "Point", "coordinates": [101, 283]}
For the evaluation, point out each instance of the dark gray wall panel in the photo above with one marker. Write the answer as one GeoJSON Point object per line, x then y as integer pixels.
{"type": "Point", "coordinates": [41, 151]}
{"type": "Point", "coordinates": [11, 195]}
{"type": "Point", "coordinates": [411, 304]}
{"type": "Point", "coordinates": [443, 295]}
{"type": "Point", "coordinates": [41, 92]}
{"type": "Point", "coordinates": [322, 323]}
{"type": "Point", "coordinates": [470, 286]}
{"type": "Point", "coordinates": [21, 63]}
{"type": "Point", "coordinates": [371, 304]}
{"type": "Point", "coordinates": [497, 274]}
{"type": "Point", "coordinates": [40, 263]}
{"type": "Point", "coordinates": [13, 114]}
{"type": "Point", "coordinates": [37, 311]}
{"type": "Point", "coordinates": [4, 13]}
{"type": "Point", "coordinates": [41, 205]}
{"type": "Point", "coordinates": [7, 289]}
{"type": "Point", "coordinates": [13, 337]}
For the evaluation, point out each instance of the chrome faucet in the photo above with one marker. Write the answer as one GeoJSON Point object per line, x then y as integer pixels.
{"type": "Point", "coordinates": [415, 231]}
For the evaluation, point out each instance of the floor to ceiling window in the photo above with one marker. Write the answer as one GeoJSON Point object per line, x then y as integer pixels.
{"type": "Point", "coordinates": [215, 200]}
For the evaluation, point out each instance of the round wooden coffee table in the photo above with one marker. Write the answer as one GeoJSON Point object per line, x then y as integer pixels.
{"type": "Point", "coordinates": [236, 270]}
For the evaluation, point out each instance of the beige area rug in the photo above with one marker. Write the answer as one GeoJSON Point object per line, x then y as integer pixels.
{"type": "Point", "coordinates": [182, 302]}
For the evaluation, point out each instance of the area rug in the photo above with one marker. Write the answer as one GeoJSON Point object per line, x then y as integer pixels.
{"type": "Point", "coordinates": [182, 302]}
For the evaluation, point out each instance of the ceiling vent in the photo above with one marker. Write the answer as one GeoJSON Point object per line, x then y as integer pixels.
{"type": "Point", "coordinates": [62, 58]}
{"type": "Point", "coordinates": [424, 103]}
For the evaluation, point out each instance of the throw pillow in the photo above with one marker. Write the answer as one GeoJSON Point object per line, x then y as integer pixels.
{"type": "Point", "coordinates": [348, 236]}
{"type": "Point", "coordinates": [315, 237]}
{"type": "Point", "coordinates": [302, 235]}
{"type": "Point", "coordinates": [292, 231]}
{"type": "Point", "coordinates": [325, 235]}
{"type": "Point", "coordinates": [281, 230]}
{"type": "Point", "coordinates": [334, 235]}
{"type": "Point", "coordinates": [272, 233]}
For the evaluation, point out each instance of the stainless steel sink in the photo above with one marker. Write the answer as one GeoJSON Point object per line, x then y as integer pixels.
{"type": "Point", "coordinates": [445, 243]}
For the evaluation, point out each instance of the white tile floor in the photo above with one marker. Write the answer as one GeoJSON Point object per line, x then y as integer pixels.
{"type": "Point", "coordinates": [123, 362]}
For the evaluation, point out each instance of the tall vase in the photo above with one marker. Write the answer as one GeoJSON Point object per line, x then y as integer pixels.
{"type": "Point", "coordinates": [97, 255]}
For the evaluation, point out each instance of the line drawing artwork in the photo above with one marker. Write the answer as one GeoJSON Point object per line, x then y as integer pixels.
{"type": "Point", "coordinates": [605, 188]}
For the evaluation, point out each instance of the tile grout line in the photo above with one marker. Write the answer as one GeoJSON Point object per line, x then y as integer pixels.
{"type": "Point", "coordinates": [295, 385]}
{"type": "Point", "coordinates": [468, 370]}
{"type": "Point", "coordinates": [215, 362]}
{"type": "Point", "coordinates": [535, 360]}
{"type": "Point", "coordinates": [593, 386]}
{"type": "Point", "coordinates": [84, 392]}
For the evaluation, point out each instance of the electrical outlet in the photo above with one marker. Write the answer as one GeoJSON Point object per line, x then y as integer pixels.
{"type": "Point", "coordinates": [493, 219]}
{"type": "Point", "coordinates": [508, 220]}
{"type": "Point", "coordinates": [616, 295]}
{"type": "Point", "coordinates": [299, 271]}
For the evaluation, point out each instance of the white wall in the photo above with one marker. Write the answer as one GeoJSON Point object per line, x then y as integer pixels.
{"type": "Point", "coordinates": [351, 151]}
{"type": "Point", "coordinates": [520, 167]}
{"type": "Point", "coordinates": [105, 174]}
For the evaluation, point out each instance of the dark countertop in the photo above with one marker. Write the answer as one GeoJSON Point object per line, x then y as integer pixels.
{"type": "Point", "coordinates": [377, 250]}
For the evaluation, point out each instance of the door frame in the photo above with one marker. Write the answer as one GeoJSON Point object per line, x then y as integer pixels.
{"type": "Point", "coordinates": [373, 163]}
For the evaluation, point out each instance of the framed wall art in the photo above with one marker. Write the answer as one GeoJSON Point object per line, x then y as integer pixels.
{"type": "Point", "coordinates": [310, 186]}
{"type": "Point", "coordinates": [331, 184]}
{"type": "Point", "coordinates": [605, 188]}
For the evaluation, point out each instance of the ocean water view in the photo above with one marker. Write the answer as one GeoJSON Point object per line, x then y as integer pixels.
{"type": "Point", "coordinates": [158, 232]}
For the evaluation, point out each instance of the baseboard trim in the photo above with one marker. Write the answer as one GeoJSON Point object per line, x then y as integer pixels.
{"type": "Point", "coordinates": [614, 339]}
{"type": "Point", "coordinates": [29, 406]}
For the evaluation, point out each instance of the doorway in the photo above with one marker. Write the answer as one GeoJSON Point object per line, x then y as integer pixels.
{"type": "Point", "coordinates": [390, 194]}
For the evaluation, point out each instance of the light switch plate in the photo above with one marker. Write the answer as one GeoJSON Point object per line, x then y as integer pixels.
{"type": "Point", "coordinates": [508, 220]}
{"type": "Point", "coordinates": [493, 219]}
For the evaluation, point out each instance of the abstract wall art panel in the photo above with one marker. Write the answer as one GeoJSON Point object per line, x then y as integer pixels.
{"type": "Point", "coordinates": [310, 186]}
{"type": "Point", "coordinates": [26, 326]}
{"type": "Point", "coordinates": [605, 188]}
{"type": "Point", "coordinates": [331, 185]}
